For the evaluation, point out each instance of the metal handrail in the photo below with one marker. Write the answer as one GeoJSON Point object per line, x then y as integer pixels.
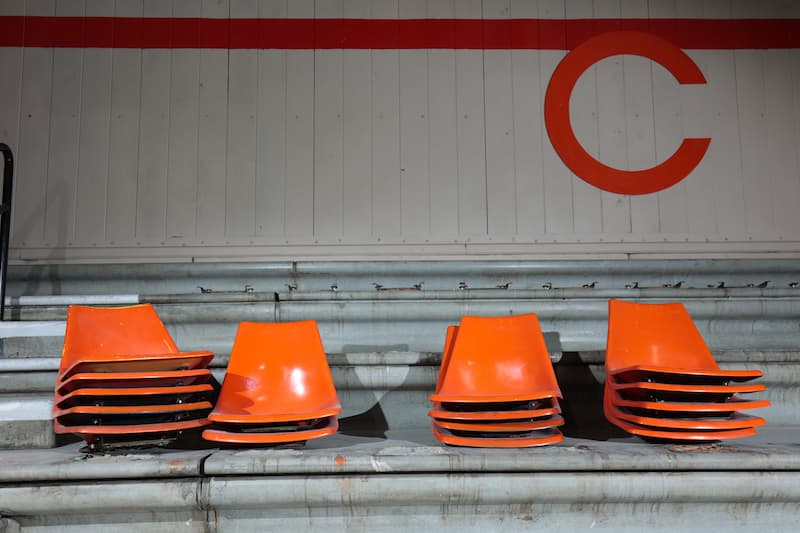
{"type": "Point", "coordinates": [5, 221]}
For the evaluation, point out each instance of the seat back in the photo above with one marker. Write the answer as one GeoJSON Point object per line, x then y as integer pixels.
{"type": "Point", "coordinates": [277, 369]}
{"type": "Point", "coordinates": [499, 357]}
{"type": "Point", "coordinates": [654, 335]}
{"type": "Point", "coordinates": [96, 333]}
{"type": "Point", "coordinates": [449, 342]}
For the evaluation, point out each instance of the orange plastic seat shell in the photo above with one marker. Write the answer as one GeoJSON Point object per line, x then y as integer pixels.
{"type": "Point", "coordinates": [175, 378]}
{"type": "Point", "coordinates": [230, 437]}
{"type": "Point", "coordinates": [732, 404]}
{"type": "Point", "coordinates": [449, 341]}
{"type": "Point", "coordinates": [90, 395]}
{"type": "Point", "coordinates": [688, 435]}
{"type": "Point", "coordinates": [660, 338]}
{"type": "Point", "coordinates": [545, 423]}
{"type": "Point", "coordinates": [92, 432]}
{"type": "Point", "coordinates": [496, 359]}
{"type": "Point", "coordinates": [277, 372]}
{"type": "Point", "coordinates": [642, 431]}
{"type": "Point", "coordinates": [139, 363]}
{"type": "Point", "coordinates": [132, 409]}
{"type": "Point", "coordinates": [688, 389]}
{"type": "Point", "coordinates": [685, 375]}
{"type": "Point", "coordinates": [735, 421]}
{"type": "Point", "coordinates": [439, 413]}
{"type": "Point", "coordinates": [112, 338]}
{"type": "Point", "coordinates": [551, 436]}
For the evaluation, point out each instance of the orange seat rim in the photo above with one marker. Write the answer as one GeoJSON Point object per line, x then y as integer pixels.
{"type": "Point", "coordinates": [538, 395]}
{"type": "Point", "coordinates": [488, 442]}
{"type": "Point", "coordinates": [547, 423]}
{"type": "Point", "coordinates": [132, 409]}
{"type": "Point", "coordinates": [492, 415]}
{"type": "Point", "coordinates": [216, 435]}
{"type": "Point", "coordinates": [689, 389]}
{"type": "Point", "coordinates": [101, 430]}
{"type": "Point", "coordinates": [255, 418]}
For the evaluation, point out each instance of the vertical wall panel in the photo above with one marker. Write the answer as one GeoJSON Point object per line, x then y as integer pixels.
{"type": "Point", "coordinates": [584, 105]}
{"type": "Point", "coordinates": [715, 190]}
{"type": "Point", "coordinates": [123, 138]}
{"type": "Point", "coordinates": [183, 142]}
{"type": "Point", "coordinates": [271, 132]}
{"type": "Point", "coordinates": [611, 130]}
{"type": "Point", "coordinates": [781, 149]}
{"type": "Point", "coordinates": [90, 212]}
{"type": "Point", "coordinates": [639, 126]}
{"type": "Point", "coordinates": [328, 122]}
{"type": "Point", "coordinates": [240, 197]}
{"type": "Point", "coordinates": [386, 191]}
{"type": "Point", "coordinates": [357, 143]}
{"type": "Point", "coordinates": [471, 133]}
{"type": "Point", "coordinates": [759, 181]}
{"type": "Point", "coordinates": [640, 140]}
{"type": "Point", "coordinates": [557, 179]}
{"type": "Point", "coordinates": [758, 208]}
{"type": "Point", "coordinates": [11, 83]}
{"type": "Point", "coordinates": [357, 134]}
{"type": "Point", "coordinates": [471, 143]}
{"type": "Point", "coordinates": [66, 129]}
{"type": "Point", "coordinates": [34, 136]}
{"type": "Point", "coordinates": [12, 8]}
{"type": "Point", "coordinates": [63, 153]}
{"type": "Point", "coordinates": [718, 179]}
{"type": "Point", "coordinates": [154, 137]}
{"type": "Point", "coordinates": [184, 101]}
{"type": "Point", "coordinates": [300, 134]}
{"type": "Point", "coordinates": [673, 201]}
{"type": "Point", "coordinates": [414, 142]}
{"type": "Point", "coordinates": [793, 183]}
{"type": "Point", "coordinates": [442, 130]}
{"type": "Point", "coordinates": [501, 190]}
{"type": "Point", "coordinates": [212, 135]}
{"type": "Point", "coordinates": [528, 120]}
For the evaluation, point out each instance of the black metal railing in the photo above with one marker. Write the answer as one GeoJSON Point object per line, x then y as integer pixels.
{"type": "Point", "coordinates": [5, 221]}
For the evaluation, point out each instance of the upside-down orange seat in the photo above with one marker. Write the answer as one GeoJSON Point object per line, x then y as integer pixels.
{"type": "Point", "coordinates": [496, 385]}
{"type": "Point", "coordinates": [122, 379]}
{"type": "Point", "coordinates": [663, 383]}
{"type": "Point", "coordinates": [278, 387]}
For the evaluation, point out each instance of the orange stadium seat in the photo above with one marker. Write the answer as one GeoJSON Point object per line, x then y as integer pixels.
{"type": "Point", "coordinates": [278, 387]}
{"type": "Point", "coordinates": [496, 385]}
{"type": "Point", "coordinates": [122, 379]}
{"type": "Point", "coordinates": [663, 383]}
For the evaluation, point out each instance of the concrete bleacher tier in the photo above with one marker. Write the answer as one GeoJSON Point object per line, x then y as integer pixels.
{"type": "Point", "coordinates": [384, 470]}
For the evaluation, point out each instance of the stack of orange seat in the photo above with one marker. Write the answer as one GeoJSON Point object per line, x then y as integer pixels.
{"type": "Point", "coordinates": [278, 388]}
{"type": "Point", "coordinates": [663, 383]}
{"type": "Point", "coordinates": [496, 385]}
{"type": "Point", "coordinates": [122, 379]}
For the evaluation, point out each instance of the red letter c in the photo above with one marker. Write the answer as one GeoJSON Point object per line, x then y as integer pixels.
{"type": "Point", "coordinates": [559, 127]}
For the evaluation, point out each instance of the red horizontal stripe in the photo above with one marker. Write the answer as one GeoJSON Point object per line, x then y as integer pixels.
{"type": "Point", "coordinates": [531, 34]}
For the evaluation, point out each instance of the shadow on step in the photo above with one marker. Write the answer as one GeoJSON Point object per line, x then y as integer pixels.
{"type": "Point", "coordinates": [370, 423]}
{"type": "Point", "coordinates": [582, 406]}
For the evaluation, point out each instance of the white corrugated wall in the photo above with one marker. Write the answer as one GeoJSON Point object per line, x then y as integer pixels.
{"type": "Point", "coordinates": [186, 154]}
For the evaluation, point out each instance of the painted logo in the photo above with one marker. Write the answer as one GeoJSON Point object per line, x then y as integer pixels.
{"type": "Point", "coordinates": [559, 127]}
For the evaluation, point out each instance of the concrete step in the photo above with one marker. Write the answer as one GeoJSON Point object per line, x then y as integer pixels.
{"type": "Point", "coordinates": [304, 276]}
{"type": "Point", "coordinates": [406, 481]}
{"type": "Point", "coordinates": [379, 324]}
